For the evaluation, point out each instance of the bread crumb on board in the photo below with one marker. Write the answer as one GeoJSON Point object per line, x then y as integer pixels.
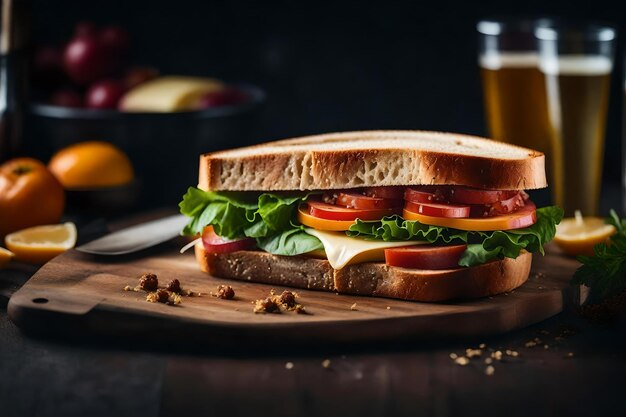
{"type": "Point", "coordinates": [265, 305]}
{"type": "Point", "coordinates": [171, 294]}
{"type": "Point", "coordinates": [286, 301]}
{"type": "Point", "coordinates": [353, 307]}
{"type": "Point", "coordinates": [224, 292]}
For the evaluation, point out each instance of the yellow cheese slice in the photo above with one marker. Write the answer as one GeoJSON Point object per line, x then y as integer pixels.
{"type": "Point", "coordinates": [168, 94]}
{"type": "Point", "coordinates": [342, 250]}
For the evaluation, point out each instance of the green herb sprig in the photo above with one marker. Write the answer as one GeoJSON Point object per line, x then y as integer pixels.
{"type": "Point", "coordinates": [605, 273]}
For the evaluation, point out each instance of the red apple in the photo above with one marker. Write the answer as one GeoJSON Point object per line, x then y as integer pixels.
{"type": "Point", "coordinates": [105, 94]}
{"type": "Point", "coordinates": [86, 59]}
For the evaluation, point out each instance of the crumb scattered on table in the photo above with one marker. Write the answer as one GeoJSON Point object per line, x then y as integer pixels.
{"type": "Point", "coordinates": [497, 355]}
{"type": "Point", "coordinates": [462, 361]}
{"type": "Point", "coordinates": [470, 353]}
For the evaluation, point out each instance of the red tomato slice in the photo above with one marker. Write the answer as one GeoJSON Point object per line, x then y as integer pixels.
{"type": "Point", "coordinates": [438, 210]}
{"type": "Point", "coordinates": [422, 195]}
{"type": "Point", "coordinates": [425, 257]}
{"type": "Point", "coordinates": [332, 212]}
{"type": "Point", "coordinates": [392, 192]}
{"type": "Point", "coordinates": [507, 206]}
{"type": "Point", "coordinates": [359, 201]}
{"type": "Point", "coordinates": [322, 224]}
{"type": "Point", "coordinates": [524, 217]}
{"type": "Point", "coordinates": [217, 244]}
{"type": "Point", "coordinates": [468, 195]}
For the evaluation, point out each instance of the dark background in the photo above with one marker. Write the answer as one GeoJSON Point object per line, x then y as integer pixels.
{"type": "Point", "coordinates": [332, 66]}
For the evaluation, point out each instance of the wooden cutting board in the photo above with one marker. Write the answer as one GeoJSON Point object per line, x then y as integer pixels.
{"type": "Point", "coordinates": [81, 293]}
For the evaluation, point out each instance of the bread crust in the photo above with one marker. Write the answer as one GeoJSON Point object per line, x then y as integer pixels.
{"type": "Point", "coordinates": [371, 279]}
{"type": "Point", "coordinates": [328, 162]}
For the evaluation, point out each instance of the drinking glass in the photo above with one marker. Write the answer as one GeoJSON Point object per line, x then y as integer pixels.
{"type": "Point", "coordinates": [514, 88]}
{"type": "Point", "coordinates": [576, 60]}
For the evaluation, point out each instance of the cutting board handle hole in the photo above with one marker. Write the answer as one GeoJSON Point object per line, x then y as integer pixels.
{"type": "Point", "coordinates": [40, 300]}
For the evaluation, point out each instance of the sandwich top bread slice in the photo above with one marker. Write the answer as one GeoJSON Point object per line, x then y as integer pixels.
{"type": "Point", "coordinates": [373, 159]}
{"type": "Point", "coordinates": [416, 215]}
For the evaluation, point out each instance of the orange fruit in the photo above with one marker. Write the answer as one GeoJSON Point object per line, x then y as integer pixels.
{"type": "Point", "coordinates": [29, 195]}
{"type": "Point", "coordinates": [578, 235]}
{"type": "Point", "coordinates": [89, 165]}
{"type": "Point", "coordinates": [5, 257]}
{"type": "Point", "coordinates": [39, 244]}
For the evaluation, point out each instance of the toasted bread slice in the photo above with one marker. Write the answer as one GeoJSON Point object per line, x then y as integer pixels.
{"type": "Point", "coordinates": [372, 159]}
{"type": "Point", "coordinates": [375, 279]}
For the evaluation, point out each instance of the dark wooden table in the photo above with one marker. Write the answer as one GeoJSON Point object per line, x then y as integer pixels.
{"type": "Point", "coordinates": [576, 368]}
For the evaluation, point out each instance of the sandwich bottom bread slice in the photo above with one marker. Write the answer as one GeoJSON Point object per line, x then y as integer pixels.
{"type": "Point", "coordinates": [412, 228]}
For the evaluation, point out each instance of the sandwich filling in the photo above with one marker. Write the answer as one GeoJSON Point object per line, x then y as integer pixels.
{"type": "Point", "coordinates": [424, 227]}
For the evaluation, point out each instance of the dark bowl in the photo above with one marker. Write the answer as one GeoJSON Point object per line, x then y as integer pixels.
{"type": "Point", "coordinates": [163, 147]}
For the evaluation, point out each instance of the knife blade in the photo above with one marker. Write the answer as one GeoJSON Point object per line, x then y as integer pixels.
{"type": "Point", "coordinates": [136, 238]}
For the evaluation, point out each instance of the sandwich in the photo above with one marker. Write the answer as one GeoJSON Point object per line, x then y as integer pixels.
{"type": "Point", "coordinates": [413, 215]}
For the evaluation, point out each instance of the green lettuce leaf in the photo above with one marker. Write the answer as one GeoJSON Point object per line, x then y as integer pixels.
{"type": "Point", "coordinates": [225, 211]}
{"type": "Point", "coordinates": [482, 246]}
{"type": "Point", "coordinates": [291, 242]}
{"type": "Point", "coordinates": [477, 254]}
{"type": "Point", "coordinates": [395, 228]}
{"type": "Point", "coordinates": [267, 218]}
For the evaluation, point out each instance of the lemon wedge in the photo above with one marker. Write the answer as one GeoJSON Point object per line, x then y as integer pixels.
{"type": "Point", "coordinates": [578, 235]}
{"type": "Point", "coordinates": [39, 244]}
{"type": "Point", "coordinates": [5, 257]}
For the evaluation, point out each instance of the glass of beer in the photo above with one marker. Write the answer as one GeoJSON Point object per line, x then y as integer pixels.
{"type": "Point", "coordinates": [514, 88]}
{"type": "Point", "coordinates": [576, 61]}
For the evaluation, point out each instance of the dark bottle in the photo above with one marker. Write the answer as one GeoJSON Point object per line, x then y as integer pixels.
{"type": "Point", "coordinates": [14, 31]}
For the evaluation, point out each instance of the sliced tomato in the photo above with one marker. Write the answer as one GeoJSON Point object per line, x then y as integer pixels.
{"type": "Point", "coordinates": [524, 217]}
{"type": "Point", "coordinates": [424, 194]}
{"type": "Point", "coordinates": [507, 206]}
{"type": "Point", "coordinates": [321, 224]}
{"type": "Point", "coordinates": [217, 244]}
{"type": "Point", "coordinates": [360, 201]}
{"type": "Point", "coordinates": [334, 212]}
{"type": "Point", "coordinates": [438, 210]}
{"type": "Point", "coordinates": [392, 192]}
{"type": "Point", "coordinates": [468, 195]}
{"type": "Point", "coordinates": [425, 257]}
